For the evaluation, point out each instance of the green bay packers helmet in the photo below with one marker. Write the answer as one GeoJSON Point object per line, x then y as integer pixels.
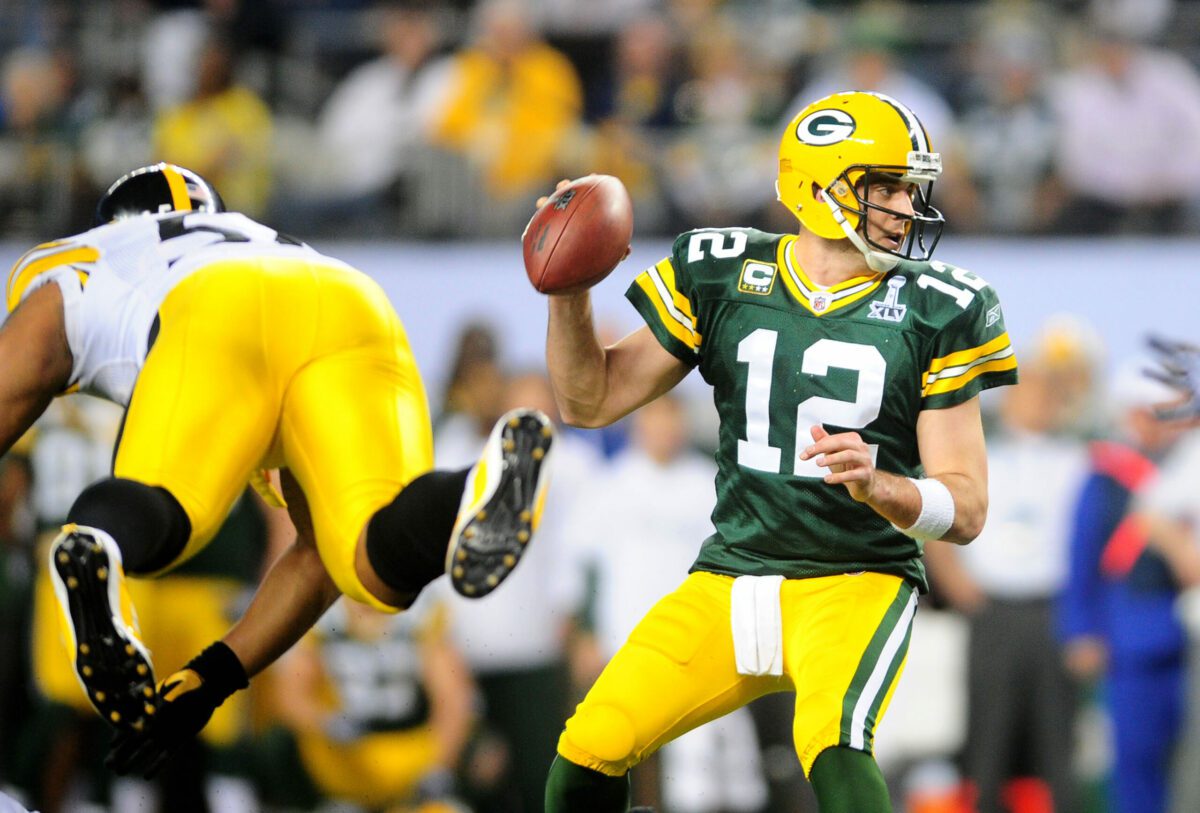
{"type": "Point", "coordinates": [156, 189]}
{"type": "Point", "coordinates": [835, 143]}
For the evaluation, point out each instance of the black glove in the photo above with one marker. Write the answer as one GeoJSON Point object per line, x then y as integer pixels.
{"type": "Point", "coordinates": [186, 701]}
{"type": "Point", "coordinates": [1179, 368]}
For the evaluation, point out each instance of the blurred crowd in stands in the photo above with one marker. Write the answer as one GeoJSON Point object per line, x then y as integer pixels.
{"type": "Point", "coordinates": [444, 119]}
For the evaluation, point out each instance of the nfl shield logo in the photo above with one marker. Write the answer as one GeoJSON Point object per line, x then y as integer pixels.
{"type": "Point", "coordinates": [820, 302]}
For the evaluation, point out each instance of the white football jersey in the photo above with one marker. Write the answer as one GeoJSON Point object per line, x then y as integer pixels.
{"type": "Point", "coordinates": [114, 277]}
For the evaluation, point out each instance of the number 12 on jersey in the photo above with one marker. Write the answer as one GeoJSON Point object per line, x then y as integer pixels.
{"type": "Point", "coordinates": [757, 351]}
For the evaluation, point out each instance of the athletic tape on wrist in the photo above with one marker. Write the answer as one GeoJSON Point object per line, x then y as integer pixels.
{"type": "Point", "coordinates": [937, 511]}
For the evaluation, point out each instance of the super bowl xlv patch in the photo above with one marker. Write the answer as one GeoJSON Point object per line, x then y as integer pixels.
{"type": "Point", "coordinates": [889, 308]}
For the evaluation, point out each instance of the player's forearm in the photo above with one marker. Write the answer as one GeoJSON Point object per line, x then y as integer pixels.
{"type": "Point", "coordinates": [899, 501]}
{"type": "Point", "coordinates": [576, 361]}
{"type": "Point", "coordinates": [294, 594]}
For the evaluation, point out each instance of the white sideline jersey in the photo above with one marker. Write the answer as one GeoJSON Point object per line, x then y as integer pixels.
{"type": "Point", "coordinates": [114, 278]}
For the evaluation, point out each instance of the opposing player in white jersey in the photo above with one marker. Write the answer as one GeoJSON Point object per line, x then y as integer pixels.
{"type": "Point", "coordinates": [237, 350]}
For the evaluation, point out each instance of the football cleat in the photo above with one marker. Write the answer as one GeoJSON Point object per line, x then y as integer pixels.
{"type": "Point", "coordinates": [502, 503]}
{"type": "Point", "coordinates": [100, 629]}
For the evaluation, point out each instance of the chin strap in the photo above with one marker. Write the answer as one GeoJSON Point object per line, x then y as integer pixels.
{"type": "Point", "coordinates": [878, 261]}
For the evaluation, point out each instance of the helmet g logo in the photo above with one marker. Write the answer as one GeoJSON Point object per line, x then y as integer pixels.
{"type": "Point", "coordinates": [823, 127]}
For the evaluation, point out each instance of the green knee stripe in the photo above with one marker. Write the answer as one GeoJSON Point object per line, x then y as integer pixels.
{"type": "Point", "coordinates": [877, 671]}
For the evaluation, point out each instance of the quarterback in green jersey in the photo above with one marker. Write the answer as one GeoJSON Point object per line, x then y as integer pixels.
{"type": "Point", "coordinates": [845, 365]}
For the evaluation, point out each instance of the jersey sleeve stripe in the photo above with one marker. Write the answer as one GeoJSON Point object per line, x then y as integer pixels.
{"type": "Point", "coordinates": [961, 357]}
{"type": "Point", "coordinates": [667, 271]}
{"type": "Point", "coordinates": [958, 377]}
{"type": "Point", "coordinates": [674, 320]}
{"type": "Point", "coordinates": [24, 275]}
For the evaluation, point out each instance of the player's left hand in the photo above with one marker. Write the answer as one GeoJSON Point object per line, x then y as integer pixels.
{"type": "Point", "coordinates": [186, 701]}
{"type": "Point", "coordinates": [185, 708]}
{"type": "Point", "coordinates": [848, 459]}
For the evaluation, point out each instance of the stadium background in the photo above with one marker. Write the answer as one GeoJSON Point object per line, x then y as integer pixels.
{"type": "Point", "coordinates": [385, 135]}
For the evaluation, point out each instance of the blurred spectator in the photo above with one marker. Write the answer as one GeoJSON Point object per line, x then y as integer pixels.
{"type": "Point", "coordinates": [223, 132]}
{"type": "Point", "coordinates": [716, 170]}
{"type": "Point", "coordinates": [512, 102]}
{"type": "Point", "coordinates": [1128, 155]}
{"type": "Point", "coordinates": [474, 394]}
{"type": "Point", "coordinates": [634, 108]}
{"type": "Point", "coordinates": [640, 548]}
{"type": "Point", "coordinates": [378, 114]}
{"type": "Point", "coordinates": [36, 157]}
{"type": "Point", "coordinates": [1117, 614]}
{"type": "Point", "coordinates": [867, 60]}
{"type": "Point", "coordinates": [1009, 134]}
{"type": "Point", "coordinates": [380, 707]}
{"type": "Point", "coordinates": [1020, 701]}
{"type": "Point", "coordinates": [515, 639]}
{"type": "Point", "coordinates": [1169, 514]}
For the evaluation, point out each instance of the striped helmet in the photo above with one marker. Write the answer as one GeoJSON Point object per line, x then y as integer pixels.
{"type": "Point", "coordinates": [835, 143]}
{"type": "Point", "coordinates": [156, 189]}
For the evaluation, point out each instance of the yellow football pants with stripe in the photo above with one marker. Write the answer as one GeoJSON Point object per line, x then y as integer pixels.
{"type": "Point", "coordinates": [280, 362]}
{"type": "Point", "coordinates": [845, 639]}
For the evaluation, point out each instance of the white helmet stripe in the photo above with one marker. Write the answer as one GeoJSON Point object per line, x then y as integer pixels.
{"type": "Point", "coordinates": [916, 131]}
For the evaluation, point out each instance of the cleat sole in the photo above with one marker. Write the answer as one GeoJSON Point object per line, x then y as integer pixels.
{"type": "Point", "coordinates": [490, 538]}
{"type": "Point", "coordinates": [112, 666]}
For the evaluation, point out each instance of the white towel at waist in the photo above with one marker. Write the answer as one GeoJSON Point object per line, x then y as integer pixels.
{"type": "Point", "coordinates": [757, 622]}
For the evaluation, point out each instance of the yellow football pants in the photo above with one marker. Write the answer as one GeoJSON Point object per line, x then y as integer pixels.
{"type": "Point", "coordinates": [373, 771]}
{"type": "Point", "coordinates": [845, 639]}
{"type": "Point", "coordinates": [273, 362]}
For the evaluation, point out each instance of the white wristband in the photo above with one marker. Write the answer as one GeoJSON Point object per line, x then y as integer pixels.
{"type": "Point", "coordinates": [937, 510]}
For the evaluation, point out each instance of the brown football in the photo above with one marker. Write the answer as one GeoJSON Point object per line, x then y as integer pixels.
{"type": "Point", "coordinates": [577, 238]}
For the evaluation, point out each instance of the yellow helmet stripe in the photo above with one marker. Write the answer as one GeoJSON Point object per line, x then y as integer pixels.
{"type": "Point", "coordinates": [180, 200]}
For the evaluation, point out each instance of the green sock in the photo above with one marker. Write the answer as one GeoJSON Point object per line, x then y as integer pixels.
{"type": "Point", "coordinates": [849, 781]}
{"type": "Point", "coordinates": [571, 788]}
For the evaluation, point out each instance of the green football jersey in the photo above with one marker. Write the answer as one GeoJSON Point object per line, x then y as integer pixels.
{"type": "Point", "coordinates": [783, 354]}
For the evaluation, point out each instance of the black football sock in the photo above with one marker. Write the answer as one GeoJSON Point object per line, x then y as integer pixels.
{"type": "Point", "coordinates": [571, 788]}
{"type": "Point", "coordinates": [849, 781]}
{"type": "Point", "coordinates": [408, 537]}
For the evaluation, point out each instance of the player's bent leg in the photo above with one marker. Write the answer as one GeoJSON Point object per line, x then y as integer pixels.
{"type": "Point", "coordinates": [100, 628]}
{"type": "Point", "coordinates": [501, 504]}
{"type": "Point", "coordinates": [113, 522]}
{"type": "Point", "coordinates": [572, 788]}
{"type": "Point", "coordinates": [849, 781]}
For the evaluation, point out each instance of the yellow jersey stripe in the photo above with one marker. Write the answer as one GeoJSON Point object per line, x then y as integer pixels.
{"type": "Point", "coordinates": [24, 276]}
{"type": "Point", "coordinates": [179, 194]}
{"type": "Point", "coordinates": [804, 291]}
{"type": "Point", "coordinates": [667, 271]}
{"type": "Point", "coordinates": [674, 326]}
{"type": "Point", "coordinates": [967, 356]}
{"type": "Point", "coordinates": [941, 385]}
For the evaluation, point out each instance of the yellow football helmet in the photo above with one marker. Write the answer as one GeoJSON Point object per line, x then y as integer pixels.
{"type": "Point", "coordinates": [832, 144]}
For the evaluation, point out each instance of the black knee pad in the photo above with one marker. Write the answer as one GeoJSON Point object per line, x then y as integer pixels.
{"type": "Point", "coordinates": [147, 522]}
{"type": "Point", "coordinates": [407, 538]}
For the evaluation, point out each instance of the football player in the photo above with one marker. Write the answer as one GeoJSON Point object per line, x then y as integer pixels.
{"type": "Point", "coordinates": [237, 350]}
{"type": "Point", "coordinates": [845, 365]}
